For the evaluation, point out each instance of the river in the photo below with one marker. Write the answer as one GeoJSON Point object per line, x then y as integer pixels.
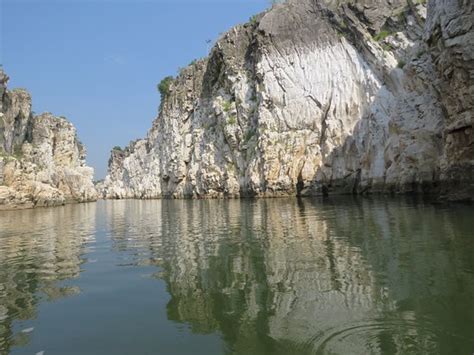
{"type": "Point", "coordinates": [268, 276]}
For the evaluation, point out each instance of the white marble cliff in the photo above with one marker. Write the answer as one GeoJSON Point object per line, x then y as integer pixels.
{"type": "Point", "coordinates": [42, 162]}
{"type": "Point", "coordinates": [313, 97]}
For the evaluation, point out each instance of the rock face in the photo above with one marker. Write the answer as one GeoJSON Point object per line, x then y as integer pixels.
{"type": "Point", "coordinates": [42, 163]}
{"type": "Point", "coordinates": [316, 97]}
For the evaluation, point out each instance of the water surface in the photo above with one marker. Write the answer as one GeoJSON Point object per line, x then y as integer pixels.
{"type": "Point", "coordinates": [283, 276]}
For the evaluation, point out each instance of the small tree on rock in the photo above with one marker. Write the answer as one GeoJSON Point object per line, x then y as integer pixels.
{"type": "Point", "coordinates": [164, 86]}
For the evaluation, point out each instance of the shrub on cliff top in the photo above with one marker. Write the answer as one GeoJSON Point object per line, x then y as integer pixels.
{"type": "Point", "coordinates": [253, 20]}
{"type": "Point", "coordinates": [164, 86]}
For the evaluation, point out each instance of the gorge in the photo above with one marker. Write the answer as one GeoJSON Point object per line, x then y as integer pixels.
{"type": "Point", "coordinates": [311, 97]}
{"type": "Point", "coordinates": [356, 114]}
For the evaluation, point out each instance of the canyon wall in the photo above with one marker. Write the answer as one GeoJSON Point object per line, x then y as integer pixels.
{"type": "Point", "coordinates": [42, 162]}
{"type": "Point", "coordinates": [317, 97]}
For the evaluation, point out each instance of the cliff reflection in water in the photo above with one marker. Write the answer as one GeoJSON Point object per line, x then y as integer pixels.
{"type": "Point", "coordinates": [343, 277]}
{"type": "Point", "coordinates": [255, 277]}
{"type": "Point", "coordinates": [38, 248]}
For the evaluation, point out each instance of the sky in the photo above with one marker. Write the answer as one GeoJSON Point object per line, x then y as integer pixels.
{"type": "Point", "coordinates": [98, 62]}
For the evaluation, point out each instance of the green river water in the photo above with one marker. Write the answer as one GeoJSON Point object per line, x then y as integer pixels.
{"type": "Point", "coordinates": [274, 276]}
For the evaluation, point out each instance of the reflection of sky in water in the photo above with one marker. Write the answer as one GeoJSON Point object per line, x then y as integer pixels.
{"type": "Point", "coordinates": [264, 276]}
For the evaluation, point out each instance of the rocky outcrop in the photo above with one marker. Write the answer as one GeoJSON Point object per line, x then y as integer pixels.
{"type": "Point", "coordinates": [316, 97]}
{"type": "Point", "coordinates": [42, 163]}
{"type": "Point", "coordinates": [450, 42]}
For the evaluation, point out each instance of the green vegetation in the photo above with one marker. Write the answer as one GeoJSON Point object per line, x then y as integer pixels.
{"type": "Point", "coordinates": [253, 20]}
{"type": "Point", "coordinates": [342, 28]}
{"type": "Point", "coordinates": [249, 135]}
{"type": "Point", "coordinates": [20, 90]}
{"type": "Point", "coordinates": [387, 46]}
{"type": "Point", "coordinates": [401, 16]}
{"type": "Point", "coordinates": [226, 106]}
{"type": "Point", "coordinates": [164, 86]}
{"type": "Point", "coordinates": [117, 148]}
{"type": "Point", "coordinates": [232, 120]}
{"type": "Point", "coordinates": [401, 63]}
{"type": "Point", "coordinates": [381, 35]}
{"type": "Point", "coordinates": [340, 33]}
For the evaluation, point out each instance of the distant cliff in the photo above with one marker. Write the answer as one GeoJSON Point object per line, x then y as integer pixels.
{"type": "Point", "coordinates": [317, 97]}
{"type": "Point", "coordinates": [42, 163]}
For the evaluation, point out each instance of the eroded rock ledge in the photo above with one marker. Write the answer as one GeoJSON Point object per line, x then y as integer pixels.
{"type": "Point", "coordinates": [317, 97]}
{"type": "Point", "coordinates": [42, 163]}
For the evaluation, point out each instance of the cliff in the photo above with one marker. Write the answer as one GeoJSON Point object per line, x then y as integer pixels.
{"type": "Point", "coordinates": [317, 97]}
{"type": "Point", "coordinates": [42, 163]}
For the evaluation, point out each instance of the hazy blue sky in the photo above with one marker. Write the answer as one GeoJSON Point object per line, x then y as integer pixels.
{"type": "Point", "coordinates": [97, 62]}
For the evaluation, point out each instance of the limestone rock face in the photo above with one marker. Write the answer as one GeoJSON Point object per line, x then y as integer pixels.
{"type": "Point", "coordinates": [450, 41]}
{"type": "Point", "coordinates": [42, 163]}
{"type": "Point", "coordinates": [317, 96]}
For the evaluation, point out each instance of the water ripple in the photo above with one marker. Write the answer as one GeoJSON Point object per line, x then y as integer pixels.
{"type": "Point", "coordinates": [394, 336]}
